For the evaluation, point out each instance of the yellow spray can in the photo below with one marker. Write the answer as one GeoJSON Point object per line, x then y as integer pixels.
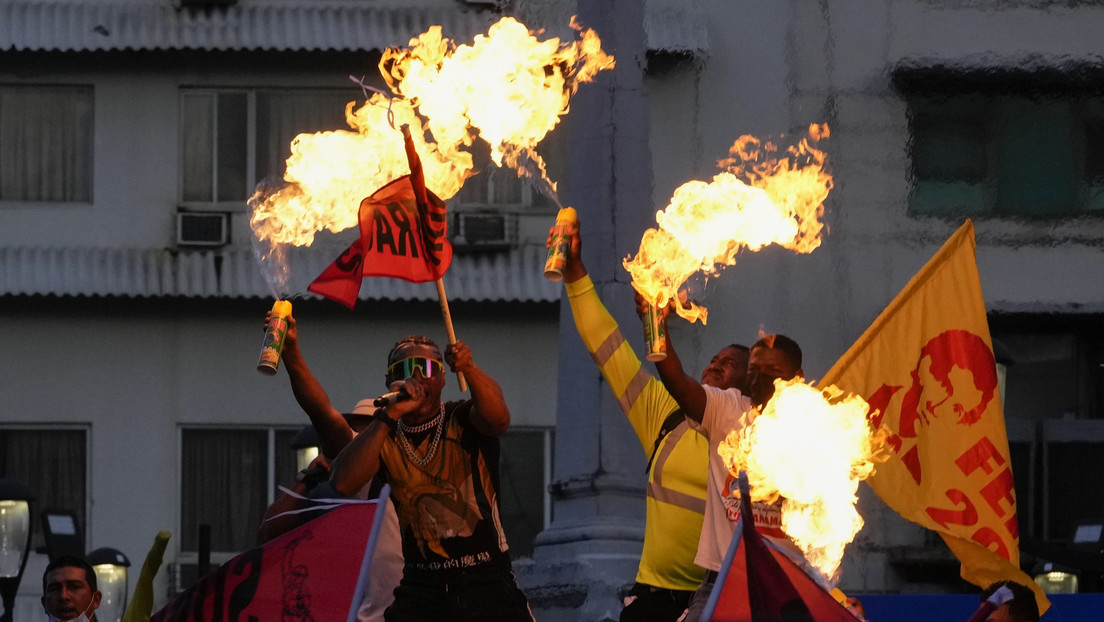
{"type": "Point", "coordinates": [558, 249]}
{"type": "Point", "coordinates": [274, 338]}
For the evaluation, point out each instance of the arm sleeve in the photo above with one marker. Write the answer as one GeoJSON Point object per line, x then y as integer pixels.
{"type": "Point", "coordinates": [725, 410]}
{"type": "Point", "coordinates": [641, 396]}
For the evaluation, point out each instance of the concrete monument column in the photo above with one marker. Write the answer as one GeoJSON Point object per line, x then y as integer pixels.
{"type": "Point", "coordinates": [589, 555]}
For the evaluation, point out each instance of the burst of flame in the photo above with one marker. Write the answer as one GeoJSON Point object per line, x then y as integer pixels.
{"type": "Point", "coordinates": [761, 197]}
{"type": "Point", "coordinates": [507, 88]}
{"type": "Point", "coordinates": [811, 447]}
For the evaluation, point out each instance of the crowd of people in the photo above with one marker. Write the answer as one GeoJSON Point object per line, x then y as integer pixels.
{"type": "Point", "coordinates": [443, 554]}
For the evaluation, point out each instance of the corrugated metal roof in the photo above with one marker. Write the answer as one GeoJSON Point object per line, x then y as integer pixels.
{"type": "Point", "coordinates": [515, 275]}
{"type": "Point", "coordinates": [90, 25]}
{"type": "Point", "coordinates": [342, 25]}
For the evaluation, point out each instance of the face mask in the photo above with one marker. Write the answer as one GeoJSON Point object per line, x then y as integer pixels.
{"type": "Point", "coordinates": [760, 388]}
{"type": "Point", "coordinates": [83, 617]}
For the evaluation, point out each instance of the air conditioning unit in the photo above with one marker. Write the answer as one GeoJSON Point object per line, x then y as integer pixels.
{"type": "Point", "coordinates": [483, 231]}
{"type": "Point", "coordinates": [181, 577]}
{"type": "Point", "coordinates": [202, 228]}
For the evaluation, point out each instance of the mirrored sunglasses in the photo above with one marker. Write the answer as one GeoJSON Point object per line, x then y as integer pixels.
{"type": "Point", "coordinates": [405, 368]}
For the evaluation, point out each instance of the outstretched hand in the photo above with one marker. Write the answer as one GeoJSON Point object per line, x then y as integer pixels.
{"type": "Point", "coordinates": [291, 336]}
{"type": "Point", "coordinates": [643, 306]}
{"type": "Point", "coordinates": [573, 261]}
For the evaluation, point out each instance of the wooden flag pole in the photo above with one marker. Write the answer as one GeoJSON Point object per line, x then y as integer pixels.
{"type": "Point", "coordinates": [418, 183]}
{"type": "Point", "coordinates": [448, 327]}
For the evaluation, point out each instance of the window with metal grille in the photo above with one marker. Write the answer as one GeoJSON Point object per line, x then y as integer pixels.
{"type": "Point", "coordinates": [525, 470]}
{"type": "Point", "coordinates": [46, 143]}
{"type": "Point", "coordinates": [1004, 150]}
{"type": "Point", "coordinates": [228, 477]}
{"type": "Point", "coordinates": [233, 139]}
{"type": "Point", "coordinates": [53, 462]}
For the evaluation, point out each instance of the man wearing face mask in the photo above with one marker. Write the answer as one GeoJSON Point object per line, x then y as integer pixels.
{"type": "Point", "coordinates": [69, 592]}
{"type": "Point", "coordinates": [716, 412]}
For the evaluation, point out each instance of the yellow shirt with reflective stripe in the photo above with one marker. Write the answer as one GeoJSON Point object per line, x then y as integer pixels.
{"type": "Point", "coordinates": [679, 472]}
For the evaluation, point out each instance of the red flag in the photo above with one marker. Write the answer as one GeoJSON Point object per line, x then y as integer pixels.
{"type": "Point", "coordinates": [403, 229]}
{"type": "Point", "coordinates": [313, 572]}
{"type": "Point", "coordinates": [759, 583]}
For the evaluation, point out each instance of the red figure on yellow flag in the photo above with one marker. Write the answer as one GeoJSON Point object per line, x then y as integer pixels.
{"type": "Point", "coordinates": [926, 367]}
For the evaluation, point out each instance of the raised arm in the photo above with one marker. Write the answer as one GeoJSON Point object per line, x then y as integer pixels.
{"type": "Point", "coordinates": [489, 413]}
{"type": "Point", "coordinates": [333, 432]}
{"type": "Point", "coordinates": [359, 461]}
{"type": "Point", "coordinates": [686, 390]}
{"type": "Point", "coordinates": [639, 394]}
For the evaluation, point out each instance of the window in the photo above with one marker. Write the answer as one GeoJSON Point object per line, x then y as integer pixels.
{"type": "Point", "coordinates": [525, 470]}
{"type": "Point", "coordinates": [501, 188]}
{"type": "Point", "coordinates": [234, 139]}
{"type": "Point", "coordinates": [1000, 152]}
{"type": "Point", "coordinates": [228, 479]}
{"type": "Point", "coordinates": [53, 462]}
{"type": "Point", "coordinates": [1073, 454]}
{"type": "Point", "coordinates": [46, 143]}
{"type": "Point", "coordinates": [1054, 414]}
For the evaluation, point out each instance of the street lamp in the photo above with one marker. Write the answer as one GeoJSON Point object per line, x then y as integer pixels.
{"type": "Point", "coordinates": [111, 576]}
{"type": "Point", "coordinates": [15, 539]}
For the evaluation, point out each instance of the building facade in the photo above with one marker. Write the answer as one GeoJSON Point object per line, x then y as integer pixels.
{"type": "Point", "coordinates": [939, 111]}
{"type": "Point", "coordinates": [133, 133]}
{"type": "Point", "coordinates": [134, 305]}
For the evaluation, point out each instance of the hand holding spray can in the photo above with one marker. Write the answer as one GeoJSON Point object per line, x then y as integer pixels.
{"type": "Point", "coordinates": [558, 249]}
{"type": "Point", "coordinates": [655, 334]}
{"type": "Point", "coordinates": [274, 338]}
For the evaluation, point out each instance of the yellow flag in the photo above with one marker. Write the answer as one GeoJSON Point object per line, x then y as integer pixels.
{"type": "Point", "coordinates": [926, 367]}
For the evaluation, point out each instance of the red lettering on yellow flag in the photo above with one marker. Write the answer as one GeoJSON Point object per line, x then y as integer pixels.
{"type": "Point", "coordinates": [1001, 489]}
{"type": "Point", "coordinates": [980, 455]}
{"type": "Point", "coordinates": [927, 368]}
{"type": "Point", "coordinates": [966, 516]}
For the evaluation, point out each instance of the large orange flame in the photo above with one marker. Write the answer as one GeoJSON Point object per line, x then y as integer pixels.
{"type": "Point", "coordinates": [811, 447]}
{"type": "Point", "coordinates": [507, 88]}
{"type": "Point", "coordinates": [761, 197]}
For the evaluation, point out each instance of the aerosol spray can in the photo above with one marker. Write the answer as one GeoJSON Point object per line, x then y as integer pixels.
{"type": "Point", "coordinates": [655, 336]}
{"type": "Point", "coordinates": [841, 598]}
{"type": "Point", "coordinates": [274, 338]}
{"type": "Point", "coordinates": [558, 249]}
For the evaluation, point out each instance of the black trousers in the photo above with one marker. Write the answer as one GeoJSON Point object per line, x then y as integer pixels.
{"type": "Point", "coordinates": [472, 595]}
{"type": "Point", "coordinates": [654, 604]}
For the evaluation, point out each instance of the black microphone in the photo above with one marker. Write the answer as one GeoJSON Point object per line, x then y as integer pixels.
{"type": "Point", "coordinates": [388, 399]}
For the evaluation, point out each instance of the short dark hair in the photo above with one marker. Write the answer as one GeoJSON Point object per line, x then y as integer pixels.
{"type": "Point", "coordinates": [70, 561]}
{"type": "Point", "coordinates": [1022, 607]}
{"type": "Point", "coordinates": [788, 347]}
{"type": "Point", "coordinates": [421, 340]}
{"type": "Point", "coordinates": [739, 347]}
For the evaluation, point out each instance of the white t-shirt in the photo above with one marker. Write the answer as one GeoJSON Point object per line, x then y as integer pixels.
{"type": "Point", "coordinates": [725, 411]}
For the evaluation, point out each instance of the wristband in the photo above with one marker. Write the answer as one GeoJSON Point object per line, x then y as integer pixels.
{"type": "Point", "coordinates": [381, 416]}
{"type": "Point", "coordinates": [312, 476]}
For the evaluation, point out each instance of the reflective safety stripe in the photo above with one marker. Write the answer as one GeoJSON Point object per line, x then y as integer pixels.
{"type": "Point", "coordinates": [604, 352]}
{"type": "Point", "coordinates": [655, 484]}
{"type": "Point", "coordinates": [602, 355]}
{"type": "Point", "coordinates": [633, 390]}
